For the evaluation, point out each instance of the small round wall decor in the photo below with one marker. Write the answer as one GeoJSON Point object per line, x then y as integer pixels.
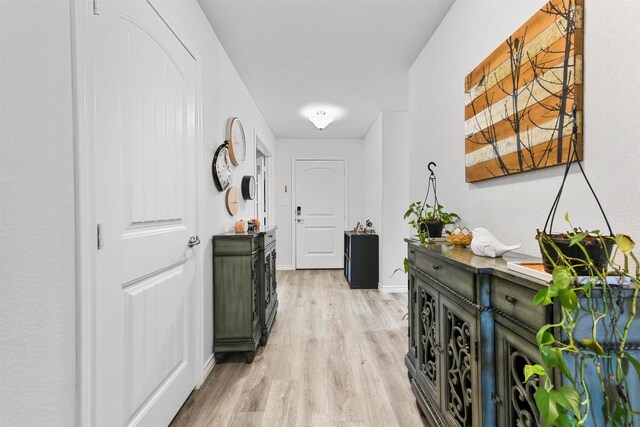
{"type": "Point", "coordinates": [231, 200]}
{"type": "Point", "coordinates": [248, 187]}
{"type": "Point", "coordinates": [236, 141]}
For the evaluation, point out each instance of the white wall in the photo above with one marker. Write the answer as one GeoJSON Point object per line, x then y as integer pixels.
{"type": "Point", "coordinates": [395, 199]}
{"type": "Point", "coordinates": [37, 226]}
{"type": "Point", "coordinates": [37, 298]}
{"type": "Point", "coordinates": [372, 163]}
{"type": "Point", "coordinates": [350, 149]}
{"type": "Point", "coordinates": [224, 95]}
{"type": "Point", "coordinates": [514, 206]}
{"type": "Point", "coordinates": [386, 193]}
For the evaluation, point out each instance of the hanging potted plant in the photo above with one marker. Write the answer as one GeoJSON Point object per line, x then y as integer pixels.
{"type": "Point", "coordinates": [596, 246]}
{"type": "Point", "coordinates": [429, 220]}
{"type": "Point", "coordinates": [592, 351]}
{"type": "Point", "coordinates": [590, 373]}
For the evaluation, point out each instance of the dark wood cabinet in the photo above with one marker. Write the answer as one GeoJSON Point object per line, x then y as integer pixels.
{"type": "Point", "coordinates": [463, 369]}
{"type": "Point", "coordinates": [472, 330]}
{"type": "Point", "coordinates": [268, 283]}
{"type": "Point", "coordinates": [361, 260]}
{"type": "Point", "coordinates": [244, 291]}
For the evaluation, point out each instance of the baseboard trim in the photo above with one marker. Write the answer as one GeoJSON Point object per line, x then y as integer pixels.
{"type": "Point", "coordinates": [395, 289]}
{"type": "Point", "coordinates": [285, 267]}
{"type": "Point", "coordinates": [208, 367]}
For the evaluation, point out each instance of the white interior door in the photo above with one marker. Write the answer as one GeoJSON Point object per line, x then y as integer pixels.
{"type": "Point", "coordinates": [145, 148]}
{"type": "Point", "coordinates": [319, 213]}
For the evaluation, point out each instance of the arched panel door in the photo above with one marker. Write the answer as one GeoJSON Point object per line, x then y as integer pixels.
{"type": "Point", "coordinates": [319, 213]}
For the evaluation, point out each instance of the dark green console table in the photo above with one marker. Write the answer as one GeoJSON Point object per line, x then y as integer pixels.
{"type": "Point", "coordinates": [245, 298]}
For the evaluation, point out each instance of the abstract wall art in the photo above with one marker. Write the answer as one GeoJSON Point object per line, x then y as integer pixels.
{"type": "Point", "coordinates": [519, 100]}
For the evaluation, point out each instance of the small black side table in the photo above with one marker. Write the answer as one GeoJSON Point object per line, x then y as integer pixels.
{"type": "Point", "coordinates": [361, 260]}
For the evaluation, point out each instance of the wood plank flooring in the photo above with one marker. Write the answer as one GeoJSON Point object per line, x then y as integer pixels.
{"type": "Point", "coordinates": [334, 358]}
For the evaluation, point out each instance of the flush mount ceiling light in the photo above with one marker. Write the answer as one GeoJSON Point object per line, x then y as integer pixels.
{"type": "Point", "coordinates": [321, 120]}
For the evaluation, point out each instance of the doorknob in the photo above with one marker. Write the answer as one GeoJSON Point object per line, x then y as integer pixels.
{"type": "Point", "coordinates": [299, 219]}
{"type": "Point", "coordinates": [193, 240]}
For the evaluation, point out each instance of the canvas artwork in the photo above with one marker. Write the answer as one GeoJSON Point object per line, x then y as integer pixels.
{"type": "Point", "coordinates": [519, 100]}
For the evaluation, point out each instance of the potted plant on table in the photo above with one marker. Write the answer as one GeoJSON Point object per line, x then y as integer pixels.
{"type": "Point", "coordinates": [429, 219]}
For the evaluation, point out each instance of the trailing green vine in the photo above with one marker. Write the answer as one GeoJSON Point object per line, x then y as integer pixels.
{"type": "Point", "coordinates": [595, 301]}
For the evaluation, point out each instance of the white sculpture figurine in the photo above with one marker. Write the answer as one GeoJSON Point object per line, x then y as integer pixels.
{"type": "Point", "coordinates": [486, 244]}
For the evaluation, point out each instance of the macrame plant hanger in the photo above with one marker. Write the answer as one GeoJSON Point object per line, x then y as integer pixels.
{"type": "Point", "coordinates": [431, 184]}
{"type": "Point", "coordinates": [573, 150]}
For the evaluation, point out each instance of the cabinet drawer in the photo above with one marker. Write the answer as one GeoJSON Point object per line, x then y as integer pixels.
{"type": "Point", "coordinates": [269, 237]}
{"type": "Point", "coordinates": [517, 302]}
{"type": "Point", "coordinates": [455, 278]}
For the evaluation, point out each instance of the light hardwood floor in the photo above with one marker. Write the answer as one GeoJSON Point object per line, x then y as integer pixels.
{"type": "Point", "coordinates": [334, 358]}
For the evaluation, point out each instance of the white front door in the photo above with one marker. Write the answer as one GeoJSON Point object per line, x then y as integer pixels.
{"type": "Point", "coordinates": [319, 213]}
{"type": "Point", "coordinates": [145, 148]}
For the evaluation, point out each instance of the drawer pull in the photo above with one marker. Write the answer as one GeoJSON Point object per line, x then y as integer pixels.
{"type": "Point", "coordinates": [497, 399]}
{"type": "Point", "coordinates": [412, 251]}
{"type": "Point", "coordinates": [511, 300]}
{"type": "Point", "coordinates": [436, 267]}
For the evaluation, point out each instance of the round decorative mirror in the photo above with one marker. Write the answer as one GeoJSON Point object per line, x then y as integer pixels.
{"type": "Point", "coordinates": [236, 141]}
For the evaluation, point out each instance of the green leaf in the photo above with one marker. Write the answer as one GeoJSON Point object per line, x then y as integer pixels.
{"type": "Point", "coordinates": [570, 399]}
{"type": "Point", "coordinates": [561, 277]}
{"type": "Point", "coordinates": [578, 237]}
{"type": "Point", "coordinates": [552, 358]}
{"type": "Point", "coordinates": [546, 338]}
{"type": "Point", "coordinates": [593, 346]}
{"type": "Point", "coordinates": [542, 297]}
{"type": "Point", "coordinates": [620, 416]}
{"type": "Point", "coordinates": [568, 298]}
{"type": "Point", "coordinates": [406, 265]}
{"type": "Point", "coordinates": [543, 337]}
{"type": "Point", "coordinates": [565, 420]}
{"type": "Point", "coordinates": [634, 362]}
{"type": "Point", "coordinates": [566, 216]}
{"type": "Point", "coordinates": [531, 370]}
{"type": "Point", "coordinates": [548, 409]}
{"type": "Point", "coordinates": [625, 244]}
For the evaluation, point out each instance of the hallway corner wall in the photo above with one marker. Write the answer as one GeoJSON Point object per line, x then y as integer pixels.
{"type": "Point", "coordinates": [386, 155]}
{"type": "Point", "coordinates": [37, 226]}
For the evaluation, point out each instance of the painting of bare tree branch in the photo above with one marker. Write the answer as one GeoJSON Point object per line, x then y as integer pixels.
{"type": "Point", "coordinates": [519, 100]}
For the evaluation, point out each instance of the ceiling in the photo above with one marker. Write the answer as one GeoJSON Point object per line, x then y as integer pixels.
{"type": "Point", "coordinates": [349, 58]}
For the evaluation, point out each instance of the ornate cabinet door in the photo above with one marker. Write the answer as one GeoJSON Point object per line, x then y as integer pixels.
{"type": "Point", "coordinates": [460, 402]}
{"type": "Point", "coordinates": [515, 405]}
{"type": "Point", "coordinates": [429, 370]}
{"type": "Point", "coordinates": [413, 317]}
{"type": "Point", "coordinates": [255, 286]}
{"type": "Point", "coordinates": [274, 283]}
{"type": "Point", "coordinates": [268, 276]}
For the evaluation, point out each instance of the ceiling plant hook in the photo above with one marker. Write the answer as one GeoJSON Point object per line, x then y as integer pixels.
{"type": "Point", "coordinates": [430, 165]}
{"type": "Point", "coordinates": [431, 184]}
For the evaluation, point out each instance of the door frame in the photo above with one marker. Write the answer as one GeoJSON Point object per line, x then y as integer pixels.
{"type": "Point", "coordinates": [269, 164]}
{"type": "Point", "coordinates": [82, 13]}
{"type": "Point", "coordinates": [294, 229]}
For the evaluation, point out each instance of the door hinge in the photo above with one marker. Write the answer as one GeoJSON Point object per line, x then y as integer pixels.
{"type": "Point", "coordinates": [96, 9]}
{"type": "Point", "coordinates": [99, 235]}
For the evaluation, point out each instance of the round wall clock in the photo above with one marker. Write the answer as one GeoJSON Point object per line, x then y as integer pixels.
{"type": "Point", "coordinates": [236, 141]}
{"type": "Point", "coordinates": [231, 200]}
{"type": "Point", "coordinates": [221, 168]}
{"type": "Point", "coordinates": [248, 187]}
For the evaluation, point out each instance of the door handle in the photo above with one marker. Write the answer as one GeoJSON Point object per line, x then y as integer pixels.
{"type": "Point", "coordinates": [193, 240]}
{"type": "Point", "coordinates": [299, 219]}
